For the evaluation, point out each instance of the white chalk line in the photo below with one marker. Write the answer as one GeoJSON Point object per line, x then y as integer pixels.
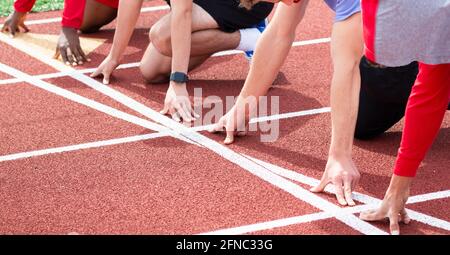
{"type": "Point", "coordinates": [307, 218]}
{"type": "Point", "coordinates": [82, 146]}
{"type": "Point", "coordinates": [117, 141]}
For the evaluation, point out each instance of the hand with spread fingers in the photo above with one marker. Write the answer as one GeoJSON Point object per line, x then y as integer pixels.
{"type": "Point", "coordinates": [178, 104]}
{"type": "Point", "coordinates": [106, 69]}
{"type": "Point", "coordinates": [69, 47]}
{"type": "Point", "coordinates": [343, 174]}
{"type": "Point", "coordinates": [233, 124]}
{"type": "Point", "coordinates": [393, 205]}
{"type": "Point", "coordinates": [14, 22]}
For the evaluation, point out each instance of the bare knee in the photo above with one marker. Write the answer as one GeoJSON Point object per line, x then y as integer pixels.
{"type": "Point", "coordinates": [161, 39]}
{"type": "Point", "coordinates": [152, 76]}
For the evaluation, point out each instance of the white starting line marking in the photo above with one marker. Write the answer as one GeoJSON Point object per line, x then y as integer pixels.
{"type": "Point", "coordinates": [319, 216]}
{"type": "Point", "coordinates": [96, 144]}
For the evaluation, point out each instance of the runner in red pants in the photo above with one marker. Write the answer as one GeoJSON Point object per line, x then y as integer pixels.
{"type": "Point", "coordinates": [87, 16]}
{"type": "Point", "coordinates": [398, 32]}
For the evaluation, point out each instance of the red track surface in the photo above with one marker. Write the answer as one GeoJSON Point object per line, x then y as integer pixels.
{"type": "Point", "coordinates": [167, 186]}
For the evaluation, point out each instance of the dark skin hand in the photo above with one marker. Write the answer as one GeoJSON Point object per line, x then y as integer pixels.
{"type": "Point", "coordinates": [69, 47]}
{"type": "Point", "coordinates": [14, 22]}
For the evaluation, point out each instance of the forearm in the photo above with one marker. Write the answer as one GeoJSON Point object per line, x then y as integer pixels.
{"type": "Point", "coordinates": [269, 56]}
{"type": "Point", "coordinates": [272, 50]}
{"type": "Point", "coordinates": [127, 17]}
{"type": "Point", "coordinates": [181, 29]}
{"type": "Point", "coordinates": [24, 5]}
{"type": "Point", "coordinates": [345, 88]}
{"type": "Point", "coordinates": [346, 51]}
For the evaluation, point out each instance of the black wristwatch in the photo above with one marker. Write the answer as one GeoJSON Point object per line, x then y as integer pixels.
{"type": "Point", "coordinates": [179, 77]}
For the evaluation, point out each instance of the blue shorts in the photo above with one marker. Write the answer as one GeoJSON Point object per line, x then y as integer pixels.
{"type": "Point", "coordinates": [344, 8]}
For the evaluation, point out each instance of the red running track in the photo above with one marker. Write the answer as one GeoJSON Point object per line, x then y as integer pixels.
{"type": "Point", "coordinates": [161, 185]}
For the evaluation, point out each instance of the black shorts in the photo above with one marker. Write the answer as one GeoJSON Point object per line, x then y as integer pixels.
{"type": "Point", "coordinates": [230, 17]}
{"type": "Point", "coordinates": [384, 94]}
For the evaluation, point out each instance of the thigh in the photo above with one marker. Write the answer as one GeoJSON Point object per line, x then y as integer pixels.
{"type": "Point", "coordinates": [201, 20]}
{"type": "Point", "coordinates": [231, 17]}
{"type": "Point", "coordinates": [96, 15]}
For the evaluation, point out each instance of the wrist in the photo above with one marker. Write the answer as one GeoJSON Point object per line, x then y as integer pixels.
{"type": "Point", "coordinates": [68, 29]}
{"type": "Point", "coordinates": [177, 85]}
{"type": "Point", "coordinates": [19, 13]}
{"type": "Point", "coordinates": [113, 58]}
{"type": "Point", "coordinates": [399, 186]}
{"type": "Point", "coordinates": [339, 153]}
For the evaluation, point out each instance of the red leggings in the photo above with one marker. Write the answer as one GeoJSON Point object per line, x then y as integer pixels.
{"type": "Point", "coordinates": [424, 115]}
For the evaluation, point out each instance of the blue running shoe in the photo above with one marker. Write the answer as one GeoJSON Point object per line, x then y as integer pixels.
{"type": "Point", "coordinates": [261, 26]}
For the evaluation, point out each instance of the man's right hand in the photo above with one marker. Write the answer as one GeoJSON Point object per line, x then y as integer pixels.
{"type": "Point", "coordinates": [343, 174]}
{"type": "Point", "coordinates": [106, 68]}
{"type": "Point", "coordinates": [14, 22]}
{"type": "Point", "coordinates": [233, 123]}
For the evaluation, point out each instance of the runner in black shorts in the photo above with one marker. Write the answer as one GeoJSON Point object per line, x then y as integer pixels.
{"type": "Point", "coordinates": [183, 39]}
{"type": "Point", "coordinates": [383, 97]}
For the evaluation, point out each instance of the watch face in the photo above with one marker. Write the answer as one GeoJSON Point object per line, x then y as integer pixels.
{"type": "Point", "coordinates": [179, 77]}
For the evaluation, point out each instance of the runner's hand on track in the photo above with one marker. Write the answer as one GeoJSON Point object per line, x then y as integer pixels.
{"type": "Point", "coordinates": [177, 103]}
{"type": "Point", "coordinates": [69, 48]}
{"type": "Point", "coordinates": [393, 205]}
{"type": "Point", "coordinates": [106, 69]}
{"type": "Point", "coordinates": [14, 22]}
{"type": "Point", "coordinates": [233, 124]}
{"type": "Point", "coordinates": [343, 174]}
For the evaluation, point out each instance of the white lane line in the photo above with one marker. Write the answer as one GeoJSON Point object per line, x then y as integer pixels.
{"type": "Point", "coordinates": [42, 21]}
{"type": "Point", "coordinates": [290, 115]}
{"type": "Point", "coordinates": [82, 146]}
{"type": "Point", "coordinates": [155, 8]}
{"type": "Point", "coordinates": [313, 41]}
{"type": "Point", "coordinates": [56, 20]}
{"type": "Point", "coordinates": [136, 64]}
{"type": "Point", "coordinates": [429, 196]}
{"type": "Point", "coordinates": [118, 141]}
{"type": "Point", "coordinates": [65, 73]}
{"type": "Point", "coordinates": [423, 218]}
{"type": "Point", "coordinates": [426, 219]}
{"type": "Point", "coordinates": [251, 228]}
